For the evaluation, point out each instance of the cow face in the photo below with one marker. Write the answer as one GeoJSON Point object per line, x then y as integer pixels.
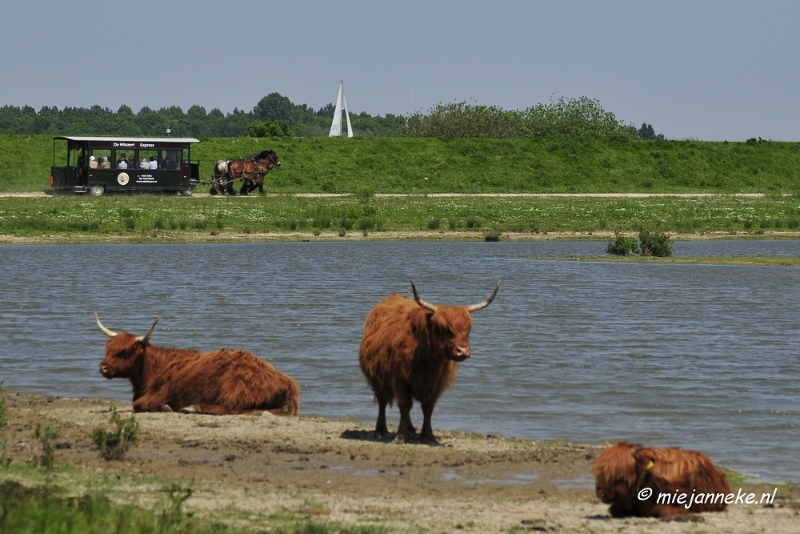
{"type": "Point", "coordinates": [123, 353]}
{"type": "Point", "coordinates": [450, 327]}
{"type": "Point", "coordinates": [615, 474]}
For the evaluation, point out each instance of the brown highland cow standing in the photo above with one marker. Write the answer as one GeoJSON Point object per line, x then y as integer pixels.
{"type": "Point", "coordinates": [221, 382]}
{"type": "Point", "coordinates": [648, 482]}
{"type": "Point", "coordinates": [411, 350]}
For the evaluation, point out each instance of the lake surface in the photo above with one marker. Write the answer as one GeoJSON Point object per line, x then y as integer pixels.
{"type": "Point", "coordinates": [699, 356]}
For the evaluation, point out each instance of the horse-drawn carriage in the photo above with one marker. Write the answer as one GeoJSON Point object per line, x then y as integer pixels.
{"type": "Point", "coordinates": [99, 165]}
{"type": "Point", "coordinates": [251, 170]}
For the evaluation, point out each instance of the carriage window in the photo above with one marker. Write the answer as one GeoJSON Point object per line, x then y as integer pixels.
{"type": "Point", "coordinates": [75, 157]}
{"type": "Point", "coordinates": [172, 159]}
{"type": "Point", "coordinates": [102, 157]}
{"type": "Point", "coordinates": [148, 159]}
{"type": "Point", "coordinates": [124, 159]}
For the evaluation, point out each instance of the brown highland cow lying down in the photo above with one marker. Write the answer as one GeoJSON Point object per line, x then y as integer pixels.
{"type": "Point", "coordinates": [220, 382]}
{"type": "Point", "coordinates": [650, 482]}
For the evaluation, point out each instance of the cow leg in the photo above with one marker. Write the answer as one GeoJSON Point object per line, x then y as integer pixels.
{"type": "Point", "coordinates": [210, 409]}
{"type": "Point", "coordinates": [405, 429]}
{"type": "Point", "coordinates": [151, 403]}
{"type": "Point", "coordinates": [380, 427]}
{"type": "Point", "coordinates": [427, 430]}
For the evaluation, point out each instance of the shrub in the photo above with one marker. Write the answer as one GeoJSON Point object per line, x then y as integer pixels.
{"type": "Point", "coordinates": [492, 235]}
{"type": "Point", "coordinates": [473, 222]}
{"type": "Point", "coordinates": [622, 246]}
{"type": "Point", "coordinates": [46, 435]}
{"type": "Point", "coordinates": [654, 244]}
{"type": "Point", "coordinates": [433, 224]}
{"type": "Point", "coordinates": [114, 444]}
{"type": "Point", "coordinates": [322, 221]}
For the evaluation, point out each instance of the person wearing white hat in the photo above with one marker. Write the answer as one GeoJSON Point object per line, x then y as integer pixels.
{"type": "Point", "coordinates": [92, 162]}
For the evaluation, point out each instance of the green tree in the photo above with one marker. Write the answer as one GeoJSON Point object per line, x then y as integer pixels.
{"type": "Point", "coordinates": [274, 107]}
{"type": "Point", "coordinates": [268, 128]}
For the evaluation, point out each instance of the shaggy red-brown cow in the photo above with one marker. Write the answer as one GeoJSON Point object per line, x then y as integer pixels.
{"type": "Point", "coordinates": [411, 350]}
{"type": "Point", "coordinates": [650, 482]}
{"type": "Point", "coordinates": [221, 382]}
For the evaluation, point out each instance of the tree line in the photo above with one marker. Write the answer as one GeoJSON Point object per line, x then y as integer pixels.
{"type": "Point", "coordinates": [277, 116]}
{"type": "Point", "coordinates": [272, 115]}
{"type": "Point", "coordinates": [563, 117]}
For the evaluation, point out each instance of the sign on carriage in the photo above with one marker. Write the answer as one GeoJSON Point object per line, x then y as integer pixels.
{"type": "Point", "coordinates": [99, 165]}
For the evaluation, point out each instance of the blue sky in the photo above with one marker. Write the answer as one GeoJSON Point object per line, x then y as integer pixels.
{"type": "Point", "coordinates": [709, 70]}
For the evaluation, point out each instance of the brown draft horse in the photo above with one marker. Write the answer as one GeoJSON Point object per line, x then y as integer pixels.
{"type": "Point", "coordinates": [250, 169]}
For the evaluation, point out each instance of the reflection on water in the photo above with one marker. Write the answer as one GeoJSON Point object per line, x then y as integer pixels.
{"type": "Point", "coordinates": [699, 356]}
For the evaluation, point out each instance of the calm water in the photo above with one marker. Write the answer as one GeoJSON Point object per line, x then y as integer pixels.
{"type": "Point", "coordinates": [698, 356]}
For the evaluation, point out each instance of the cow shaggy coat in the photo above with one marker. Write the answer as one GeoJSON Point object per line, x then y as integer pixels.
{"type": "Point", "coordinates": [624, 470]}
{"type": "Point", "coordinates": [411, 350]}
{"type": "Point", "coordinates": [221, 382]}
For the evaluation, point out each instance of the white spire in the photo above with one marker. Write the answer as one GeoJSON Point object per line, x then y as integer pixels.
{"type": "Point", "coordinates": [336, 125]}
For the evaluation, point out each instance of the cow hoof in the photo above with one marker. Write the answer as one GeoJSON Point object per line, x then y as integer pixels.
{"type": "Point", "coordinates": [166, 408]}
{"type": "Point", "coordinates": [189, 409]}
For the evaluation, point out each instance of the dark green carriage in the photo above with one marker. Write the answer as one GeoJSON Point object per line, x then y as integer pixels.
{"type": "Point", "coordinates": [98, 165]}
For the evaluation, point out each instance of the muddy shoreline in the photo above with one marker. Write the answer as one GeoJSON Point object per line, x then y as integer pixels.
{"type": "Point", "coordinates": [335, 470]}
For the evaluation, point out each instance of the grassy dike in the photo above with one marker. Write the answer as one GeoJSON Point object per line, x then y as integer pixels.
{"type": "Point", "coordinates": [415, 165]}
{"type": "Point", "coordinates": [386, 185]}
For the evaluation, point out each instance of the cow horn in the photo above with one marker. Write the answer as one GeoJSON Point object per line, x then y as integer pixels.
{"type": "Point", "coordinates": [145, 338]}
{"type": "Point", "coordinates": [426, 305]}
{"type": "Point", "coordinates": [482, 305]}
{"type": "Point", "coordinates": [106, 331]}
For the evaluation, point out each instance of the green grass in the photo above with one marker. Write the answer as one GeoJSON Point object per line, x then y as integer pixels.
{"type": "Point", "coordinates": [71, 500]}
{"type": "Point", "coordinates": [414, 165]}
{"type": "Point", "coordinates": [146, 217]}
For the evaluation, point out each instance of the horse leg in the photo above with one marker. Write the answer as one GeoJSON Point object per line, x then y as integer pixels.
{"type": "Point", "coordinates": [245, 187]}
{"type": "Point", "coordinates": [229, 187]}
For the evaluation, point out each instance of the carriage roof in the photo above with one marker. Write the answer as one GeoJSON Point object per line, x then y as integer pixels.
{"type": "Point", "coordinates": [131, 139]}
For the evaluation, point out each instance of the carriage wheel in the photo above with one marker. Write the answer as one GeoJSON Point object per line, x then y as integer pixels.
{"type": "Point", "coordinates": [96, 190]}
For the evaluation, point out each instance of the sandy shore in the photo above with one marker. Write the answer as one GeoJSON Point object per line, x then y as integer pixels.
{"type": "Point", "coordinates": [245, 468]}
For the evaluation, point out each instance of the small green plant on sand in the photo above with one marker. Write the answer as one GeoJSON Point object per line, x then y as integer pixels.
{"type": "Point", "coordinates": [114, 444]}
{"type": "Point", "coordinates": [46, 436]}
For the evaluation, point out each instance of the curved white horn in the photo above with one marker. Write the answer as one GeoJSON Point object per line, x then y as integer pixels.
{"type": "Point", "coordinates": [145, 338]}
{"type": "Point", "coordinates": [426, 305]}
{"type": "Point", "coordinates": [482, 305]}
{"type": "Point", "coordinates": [106, 331]}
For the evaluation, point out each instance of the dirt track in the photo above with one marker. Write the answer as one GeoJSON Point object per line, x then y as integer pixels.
{"type": "Point", "coordinates": [35, 194]}
{"type": "Point", "coordinates": [335, 471]}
